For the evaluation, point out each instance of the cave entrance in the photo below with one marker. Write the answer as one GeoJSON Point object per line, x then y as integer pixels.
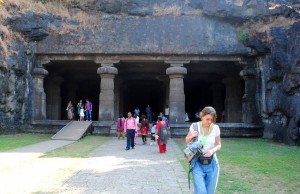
{"type": "Point", "coordinates": [71, 81]}
{"type": "Point", "coordinates": [142, 84]}
{"type": "Point", "coordinates": [141, 93]}
{"type": "Point", "coordinates": [206, 85]}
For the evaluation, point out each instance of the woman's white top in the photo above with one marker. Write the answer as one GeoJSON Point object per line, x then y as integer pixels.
{"type": "Point", "coordinates": [211, 138]}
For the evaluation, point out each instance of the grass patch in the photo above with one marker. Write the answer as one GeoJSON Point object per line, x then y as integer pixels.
{"type": "Point", "coordinates": [257, 166]}
{"type": "Point", "coordinates": [8, 142]}
{"type": "Point", "coordinates": [79, 149]}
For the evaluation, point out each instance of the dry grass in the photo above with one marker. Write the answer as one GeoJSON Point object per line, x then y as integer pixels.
{"type": "Point", "coordinates": [5, 40]}
{"type": "Point", "coordinates": [86, 21]}
{"type": "Point", "coordinates": [253, 28]}
{"type": "Point", "coordinates": [59, 8]}
{"type": "Point", "coordinates": [172, 10]}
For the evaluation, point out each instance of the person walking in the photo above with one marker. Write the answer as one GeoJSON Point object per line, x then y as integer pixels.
{"type": "Point", "coordinates": [144, 129]}
{"type": "Point", "coordinates": [70, 110]}
{"type": "Point", "coordinates": [120, 127]}
{"type": "Point", "coordinates": [207, 134]}
{"type": "Point", "coordinates": [153, 130]}
{"type": "Point", "coordinates": [88, 109]}
{"type": "Point", "coordinates": [149, 113]}
{"type": "Point", "coordinates": [162, 134]}
{"type": "Point", "coordinates": [130, 127]}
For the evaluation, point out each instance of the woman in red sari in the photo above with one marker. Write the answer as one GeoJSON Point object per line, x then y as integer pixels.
{"type": "Point", "coordinates": [162, 143]}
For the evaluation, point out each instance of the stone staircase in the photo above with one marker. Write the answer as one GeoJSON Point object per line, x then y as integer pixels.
{"type": "Point", "coordinates": [73, 131]}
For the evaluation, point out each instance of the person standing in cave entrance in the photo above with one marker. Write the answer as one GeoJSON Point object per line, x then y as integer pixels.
{"type": "Point", "coordinates": [167, 111]}
{"type": "Point", "coordinates": [137, 111]}
{"type": "Point", "coordinates": [88, 109]}
{"type": "Point", "coordinates": [78, 109]}
{"type": "Point", "coordinates": [81, 114]}
{"type": "Point", "coordinates": [149, 113]}
{"type": "Point", "coordinates": [70, 110]}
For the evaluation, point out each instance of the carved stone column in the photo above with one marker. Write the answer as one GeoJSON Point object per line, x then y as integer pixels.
{"type": "Point", "coordinates": [250, 114]}
{"type": "Point", "coordinates": [39, 96]}
{"type": "Point", "coordinates": [54, 97]}
{"type": "Point", "coordinates": [233, 100]}
{"type": "Point", "coordinates": [106, 98]}
{"type": "Point", "coordinates": [176, 90]}
{"type": "Point", "coordinates": [218, 101]}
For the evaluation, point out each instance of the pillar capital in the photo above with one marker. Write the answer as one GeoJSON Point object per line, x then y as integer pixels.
{"type": "Point", "coordinates": [43, 62]}
{"type": "Point", "coordinates": [107, 70]}
{"type": "Point", "coordinates": [248, 73]}
{"type": "Point", "coordinates": [108, 62]}
{"type": "Point", "coordinates": [177, 63]}
{"type": "Point", "coordinates": [176, 71]}
{"type": "Point", "coordinates": [40, 72]}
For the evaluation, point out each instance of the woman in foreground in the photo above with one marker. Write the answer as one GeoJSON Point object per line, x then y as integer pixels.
{"type": "Point", "coordinates": [207, 136]}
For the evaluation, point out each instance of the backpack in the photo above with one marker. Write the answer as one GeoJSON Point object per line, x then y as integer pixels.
{"type": "Point", "coordinates": [163, 133]}
{"type": "Point", "coordinates": [188, 152]}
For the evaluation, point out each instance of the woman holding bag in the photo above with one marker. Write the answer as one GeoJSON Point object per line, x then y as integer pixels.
{"type": "Point", "coordinates": [206, 169]}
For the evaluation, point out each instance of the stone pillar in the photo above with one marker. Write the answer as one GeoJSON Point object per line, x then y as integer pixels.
{"type": "Point", "coordinates": [176, 91]}
{"type": "Point", "coordinates": [218, 101]}
{"type": "Point", "coordinates": [249, 110]}
{"type": "Point", "coordinates": [39, 96]}
{"type": "Point", "coordinates": [106, 98]}
{"type": "Point", "coordinates": [233, 100]}
{"type": "Point", "coordinates": [54, 98]}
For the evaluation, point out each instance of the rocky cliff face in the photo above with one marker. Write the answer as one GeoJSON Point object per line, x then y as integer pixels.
{"type": "Point", "coordinates": [274, 45]}
{"type": "Point", "coordinates": [281, 76]}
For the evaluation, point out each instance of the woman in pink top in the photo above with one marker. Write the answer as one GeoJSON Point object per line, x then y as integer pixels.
{"type": "Point", "coordinates": [120, 127]}
{"type": "Point", "coordinates": [130, 126]}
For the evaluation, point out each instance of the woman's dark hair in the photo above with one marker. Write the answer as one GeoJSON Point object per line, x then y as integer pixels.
{"type": "Point", "coordinates": [120, 116]}
{"type": "Point", "coordinates": [159, 118]}
{"type": "Point", "coordinates": [209, 110]}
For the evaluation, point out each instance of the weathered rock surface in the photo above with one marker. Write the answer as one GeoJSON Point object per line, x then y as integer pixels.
{"type": "Point", "coordinates": [281, 78]}
{"type": "Point", "coordinates": [150, 35]}
{"type": "Point", "coordinates": [162, 27]}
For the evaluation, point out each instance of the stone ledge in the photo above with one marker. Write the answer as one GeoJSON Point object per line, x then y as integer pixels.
{"type": "Point", "coordinates": [177, 130]}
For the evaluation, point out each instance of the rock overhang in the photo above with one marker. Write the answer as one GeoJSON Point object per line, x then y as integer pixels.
{"type": "Point", "coordinates": [163, 35]}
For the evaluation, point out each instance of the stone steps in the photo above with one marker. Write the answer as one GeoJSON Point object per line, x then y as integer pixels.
{"type": "Point", "coordinates": [73, 131]}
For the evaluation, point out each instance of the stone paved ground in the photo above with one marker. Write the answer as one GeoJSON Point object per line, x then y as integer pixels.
{"type": "Point", "coordinates": [108, 170]}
